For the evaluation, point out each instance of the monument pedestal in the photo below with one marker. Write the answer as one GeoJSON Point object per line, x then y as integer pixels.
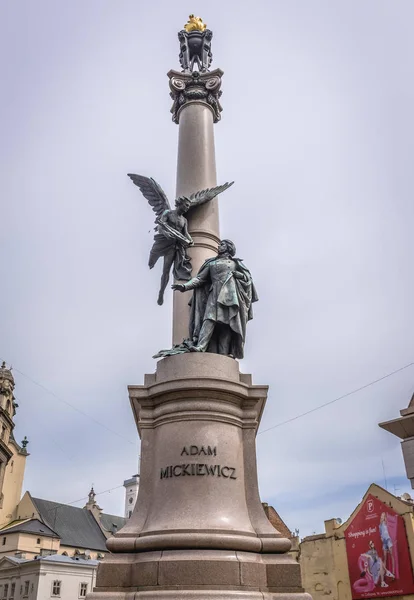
{"type": "Point", "coordinates": [198, 530]}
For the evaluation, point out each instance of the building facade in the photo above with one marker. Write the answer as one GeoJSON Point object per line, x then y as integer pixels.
{"type": "Point", "coordinates": [368, 556]}
{"type": "Point", "coordinates": [43, 528]}
{"type": "Point", "coordinates": [50, 577]}
{"type": "Point", "coordinates": [12, 455]}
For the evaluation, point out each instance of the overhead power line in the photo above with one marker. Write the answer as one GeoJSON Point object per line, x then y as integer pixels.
{"type": "Point", "coordinates": [355, 391]}
{"type": "Point", "coordinates": [85, 497]}
{"type": "Point", "coordinates": [73, 406]}
{"type": "Point", "coordinates": [97, 494]}
{"type": "Point", "coordinates": [295, 418]}
{"type": "Point", "coordinates": [304, 414]}
{"type": "Point", "coordinates": [312, 410]}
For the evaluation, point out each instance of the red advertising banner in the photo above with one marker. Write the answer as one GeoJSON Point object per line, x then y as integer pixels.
{"type": "Point", "coordinates": [379, 561]}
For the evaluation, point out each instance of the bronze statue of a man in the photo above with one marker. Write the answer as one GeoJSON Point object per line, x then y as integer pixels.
{"type": "Point", "coordinates": [221, 304]}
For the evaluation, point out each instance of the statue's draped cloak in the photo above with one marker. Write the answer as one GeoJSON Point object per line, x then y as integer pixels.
{"type": "Point", "coordinates": [182, 263]}
{"type": "Point", "coordinates": [228, 302]}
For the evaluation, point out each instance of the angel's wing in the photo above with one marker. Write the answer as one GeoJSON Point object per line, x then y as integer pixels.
{"type": "Point", "coordinates": [153, 192]}
{"type": "Point", "coordinates": [205, 195]}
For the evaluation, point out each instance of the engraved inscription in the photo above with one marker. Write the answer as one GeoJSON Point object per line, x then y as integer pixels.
{"type": "Point", "coordinates": [199, 451]}
{"type": "Point", "coordinates": [198, 470]}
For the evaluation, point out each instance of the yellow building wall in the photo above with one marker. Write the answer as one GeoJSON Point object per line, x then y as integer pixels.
{"type": "Point", "coordinates": [26, 509]}
{"type": "Point", "coordinates": [12, 486]}
{"type": "Point", "coordinates": [27, 544]}
{"type": "Point", "coordinates": [317, 566]}
{"type": "Point", "coordinates": [9, 548]}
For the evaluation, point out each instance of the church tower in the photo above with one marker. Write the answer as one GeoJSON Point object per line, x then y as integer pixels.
{"type": "Point", "coordinates": [12, 456]}
{"type": "Point", "coordinates": [93, 506]}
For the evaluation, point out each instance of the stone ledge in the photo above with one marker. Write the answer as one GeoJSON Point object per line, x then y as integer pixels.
{"type": "Point", "coordinates": [183, 594]}
{"type": "Point", "coordinates": [195, 593]}
{"type": "Point", "coordinates": [202, 569]}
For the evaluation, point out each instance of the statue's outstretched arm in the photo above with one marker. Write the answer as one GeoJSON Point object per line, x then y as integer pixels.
{"type": "Point", "coordinates": [202, 277]}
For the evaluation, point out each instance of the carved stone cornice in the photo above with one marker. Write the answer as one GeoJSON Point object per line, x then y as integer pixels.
{"type": "Point", "coordinates": [197, 88]}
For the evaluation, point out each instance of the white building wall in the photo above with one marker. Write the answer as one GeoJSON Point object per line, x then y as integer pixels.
{"type": "Point", "coordinates": [11, 576]}
{"type": "Point", "coordinates": [70, 576]}
{"type": "Point", "coordinates": [41, 575]}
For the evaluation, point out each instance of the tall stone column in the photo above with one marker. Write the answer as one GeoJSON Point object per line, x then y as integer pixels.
{"type": "Point", "coordinates": [198, 530]}
{"type": "Point", "coordinates": [196, 108]}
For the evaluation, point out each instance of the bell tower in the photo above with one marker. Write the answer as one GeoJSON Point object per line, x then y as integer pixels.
{"type": "Point", "coordinates": [12, 455]}
{"type": "Point", "coordinates": [131, 493]}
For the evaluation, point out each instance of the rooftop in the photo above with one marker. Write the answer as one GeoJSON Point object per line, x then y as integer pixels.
{"type": "Point", "coordinates": [75, 526]}
{"type": "Point", "coordinates": [29, 526]}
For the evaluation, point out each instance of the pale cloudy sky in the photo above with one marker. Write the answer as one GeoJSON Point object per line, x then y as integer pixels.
{"type": "Point", "coordinates": [317, 132]}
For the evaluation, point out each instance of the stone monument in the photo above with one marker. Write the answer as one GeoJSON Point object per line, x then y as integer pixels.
{"type": "Point", "coordinates": [198, 530]}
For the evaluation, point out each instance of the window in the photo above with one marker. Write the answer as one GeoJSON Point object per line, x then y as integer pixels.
{"type": "Point", "coordinates": [38, 541]}
{"type": "Point", "coordinates": [4, 541]}
{"type": "Point", "coordinates": [12, 591]}
{"type": "Point", "coordinates": [6, 590]}
{"type": "Point", "coordinates": [130, 513]}
{"type": "Point", "coordinates": [56, 585]}
{"type": "Point", "coordinates": [26, 589]}
{"type": "Point", "coordinates": [11, 466]}
{"type": "Point", "coordinates": [131, 500]}
{"type": "Point", "coordinates": [83, 590]}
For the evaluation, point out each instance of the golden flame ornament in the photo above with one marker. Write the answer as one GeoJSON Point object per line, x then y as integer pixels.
{"type": "Point", "coordinates": [195, 24]}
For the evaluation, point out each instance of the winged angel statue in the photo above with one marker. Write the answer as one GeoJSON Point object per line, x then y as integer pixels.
{"type": "Point", "coordinates": [172, 238]}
